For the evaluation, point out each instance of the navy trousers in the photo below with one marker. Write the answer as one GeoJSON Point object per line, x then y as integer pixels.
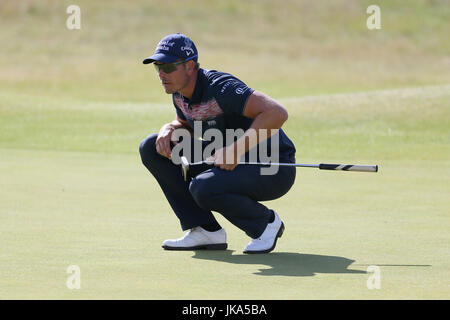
{"type": "Point", "coordinates": [234, 194]}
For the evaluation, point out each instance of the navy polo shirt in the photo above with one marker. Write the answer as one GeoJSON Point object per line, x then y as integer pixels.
{"type": "Point", "coordinates": [218, 102]}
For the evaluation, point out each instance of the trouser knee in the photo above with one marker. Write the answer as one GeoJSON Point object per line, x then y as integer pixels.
{"type": "Point", "coordinates": [202, 194]}
{"type": "Point", "coordinates": [147, 150]}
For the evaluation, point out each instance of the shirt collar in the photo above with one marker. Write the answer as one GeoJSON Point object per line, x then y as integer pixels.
{"type": "Point", "coordinates": [198, 90]}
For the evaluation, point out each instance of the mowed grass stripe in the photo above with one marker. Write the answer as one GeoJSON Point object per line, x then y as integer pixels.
{"type": "Point", "coordinates": [398, 123]}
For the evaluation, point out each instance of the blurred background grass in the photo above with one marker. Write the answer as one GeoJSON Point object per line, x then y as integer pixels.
{"type": "Point", "coordinates": [87, 89]}
{"type": "Point", "coordinates": [289, 49]}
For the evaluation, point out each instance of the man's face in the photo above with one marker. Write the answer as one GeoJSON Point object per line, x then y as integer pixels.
{"type": "Point", "coordinates": [175, 80]}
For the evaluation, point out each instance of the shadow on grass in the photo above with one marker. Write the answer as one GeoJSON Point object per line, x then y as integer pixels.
{"type": "Point", "coordinates": [283, 263]}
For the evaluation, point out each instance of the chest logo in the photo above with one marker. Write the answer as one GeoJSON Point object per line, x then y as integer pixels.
{"type": "Point", "coordinates": [200, 112]}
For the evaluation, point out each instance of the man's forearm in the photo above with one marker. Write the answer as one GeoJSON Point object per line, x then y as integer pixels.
{"type": "Point", "coordinates": [263, 127]}
{"type": "Point", "coordinates": [176, 124]}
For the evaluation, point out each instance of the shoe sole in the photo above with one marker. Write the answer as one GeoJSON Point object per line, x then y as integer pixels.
{"type": "Point", "coordinates": [216, 246]}
{"type": "Point", "coordinates": [279, 234]}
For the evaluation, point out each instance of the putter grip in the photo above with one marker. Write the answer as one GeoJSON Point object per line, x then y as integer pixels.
{"type": "Point", "coordinates": [348, 167]}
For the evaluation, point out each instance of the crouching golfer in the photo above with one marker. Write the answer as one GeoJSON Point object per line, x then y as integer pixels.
{"type": "Point", "coordinates": [220, 101]}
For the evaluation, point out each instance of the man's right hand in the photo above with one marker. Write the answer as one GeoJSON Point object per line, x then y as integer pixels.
{"type": "Point", "coordinates": [164, 139]}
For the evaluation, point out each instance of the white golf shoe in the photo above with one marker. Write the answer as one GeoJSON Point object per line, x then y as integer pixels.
{"type": "Point", "coordinates": [268, 240]}
{"type": "Point", "coordinates": [198, 239]}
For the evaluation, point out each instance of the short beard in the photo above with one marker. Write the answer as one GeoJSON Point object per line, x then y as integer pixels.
{"type": "Point", "coordinates": [186, 82]}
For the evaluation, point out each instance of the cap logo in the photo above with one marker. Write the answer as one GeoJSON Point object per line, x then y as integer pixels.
{"type": "Point", "coordinates": [165, 45]}
{"type": "Point", "coordinates": [187, 47]}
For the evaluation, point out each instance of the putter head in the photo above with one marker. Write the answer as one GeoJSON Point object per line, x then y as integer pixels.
{"type": "Point", "coordinates": [184, 167]}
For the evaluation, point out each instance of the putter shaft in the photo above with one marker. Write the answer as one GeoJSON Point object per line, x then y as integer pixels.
{"type": "Point", "coordinates": [322, 166]}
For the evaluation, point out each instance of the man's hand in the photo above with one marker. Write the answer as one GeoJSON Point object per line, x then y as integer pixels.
{"type": "Point", "coordinates": [165, 136]}
{"type": "Point", "coordinates": [225, 158]}
{"type": "Point", "coordinates": [164, 139]}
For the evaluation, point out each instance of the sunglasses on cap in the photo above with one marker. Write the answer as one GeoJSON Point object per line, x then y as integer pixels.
{"type": "Point", "coordinates": [170, 67]}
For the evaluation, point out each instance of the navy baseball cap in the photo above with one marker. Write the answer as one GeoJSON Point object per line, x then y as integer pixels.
{"type": "Point", "coordinates": [172, 48]}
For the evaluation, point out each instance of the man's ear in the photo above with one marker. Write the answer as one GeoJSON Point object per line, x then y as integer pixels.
{"type": "Point", "coordinates": [190, 66]}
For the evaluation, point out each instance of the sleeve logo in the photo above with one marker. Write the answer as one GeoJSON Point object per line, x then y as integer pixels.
{"type": "Point", "coordinates": [240, 90]}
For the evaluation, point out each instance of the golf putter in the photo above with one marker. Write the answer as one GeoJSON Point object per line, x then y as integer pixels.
{"type": "Point", "coordinates": [323, 166]}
